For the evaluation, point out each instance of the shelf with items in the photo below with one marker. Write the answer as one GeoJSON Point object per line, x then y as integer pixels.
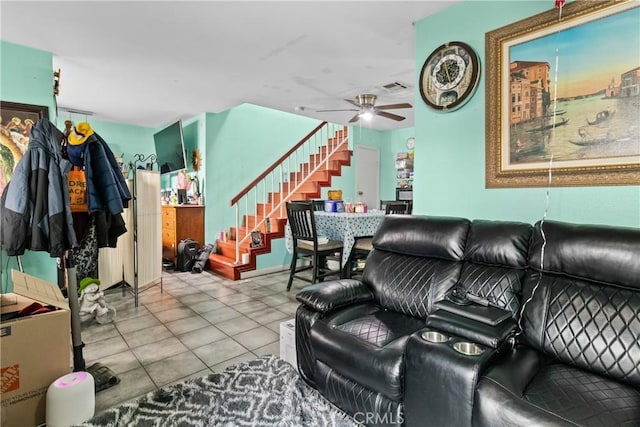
{"type": "Point", "coordinates": [404, 164]}
{"type": "Point", "coordinates": [404, 183]}
{"type": "Point", "coordinates": [404, 170]}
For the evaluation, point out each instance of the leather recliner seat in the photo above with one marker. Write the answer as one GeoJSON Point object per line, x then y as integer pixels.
{"type": "Point", "coordinates": [568, 355]}
{"type": "Point", "coordinates": [352, 334]}
{"type": "Point", "coordinates": [578, 359]}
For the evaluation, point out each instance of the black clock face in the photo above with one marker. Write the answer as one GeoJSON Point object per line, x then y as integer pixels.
{"type": "Point", "coordinates": [449, 76]}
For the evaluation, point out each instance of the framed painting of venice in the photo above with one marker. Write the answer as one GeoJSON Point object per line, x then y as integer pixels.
{"type": "Point", "coordinates": [563, 97]}
{"type": "Point", "coordinates": [16, 121]}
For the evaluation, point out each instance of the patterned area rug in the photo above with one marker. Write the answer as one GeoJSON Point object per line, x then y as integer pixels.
{"type": "Point", "coordinates": [262, 392]}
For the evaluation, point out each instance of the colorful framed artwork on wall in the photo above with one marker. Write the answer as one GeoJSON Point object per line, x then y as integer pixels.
{"type": "Point", "coordinates": [563, 97]}
{"type": "Point", "coordinates": [16, 121]}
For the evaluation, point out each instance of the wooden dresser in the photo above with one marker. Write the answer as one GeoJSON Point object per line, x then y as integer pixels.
{"type": "Point", "coordinates": [179, 223]}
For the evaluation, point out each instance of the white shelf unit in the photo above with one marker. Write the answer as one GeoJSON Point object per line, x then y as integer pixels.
{"type": "Point", "coordinates": [404, 170]}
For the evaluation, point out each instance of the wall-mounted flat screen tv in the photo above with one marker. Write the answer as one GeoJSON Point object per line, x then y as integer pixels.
{"type": "Point", "coordinates": [170, 148]}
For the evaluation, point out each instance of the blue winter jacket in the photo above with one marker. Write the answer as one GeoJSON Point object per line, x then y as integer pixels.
{"type": "Point", "coordinates": [35, 204]}
{"type": "Point", "coordinates": [107, 189]}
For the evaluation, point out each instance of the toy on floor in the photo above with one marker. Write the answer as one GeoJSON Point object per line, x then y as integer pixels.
{"type": "Point", "coordinates": [92, 301]}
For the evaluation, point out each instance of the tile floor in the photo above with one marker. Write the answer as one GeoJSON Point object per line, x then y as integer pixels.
{"type": "Point", "coordinates": [200, 323]}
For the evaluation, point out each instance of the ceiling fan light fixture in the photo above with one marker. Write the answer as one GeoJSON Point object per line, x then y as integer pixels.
{"type": "Point", "coordinates": [366, 100]}
{"type": "Point", "coordinates": [367, 115]}
{"type": "Point", "coordinates": [366, 108]}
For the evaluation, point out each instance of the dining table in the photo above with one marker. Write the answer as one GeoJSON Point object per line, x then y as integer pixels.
{"type": "Point", "coordinates": [344, 227]}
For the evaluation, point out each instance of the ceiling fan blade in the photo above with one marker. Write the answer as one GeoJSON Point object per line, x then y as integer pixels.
{"type": "Point", "coordinates": [394, 106]}
{"type": "Point", "coordinates": [390, 116]}
{"type": "Point", "coordinates": [326, 111]}
{"type": "Point", "coordinates": [351, 101]}
{"type": "Point", "coordinates": [355, 118]}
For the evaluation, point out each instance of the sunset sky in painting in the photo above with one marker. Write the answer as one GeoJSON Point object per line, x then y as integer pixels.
{"type": "Point", "coordinates": [588, 55]}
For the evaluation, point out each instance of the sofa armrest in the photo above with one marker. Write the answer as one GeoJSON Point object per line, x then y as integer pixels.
{"type": "Point", "coordinates": [327, 296]}
{"type": "Point", "coordinates": [492, 336]}
{"type": "Point", "coordinates": [435, 368]}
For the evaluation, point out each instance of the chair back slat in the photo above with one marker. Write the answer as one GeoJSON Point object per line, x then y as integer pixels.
{"type": "Point", "coordinates": [301, 221]}
{"type": "Point", "coordinates": [397, 208]}
{"type": "Point", "coordinates": [318, 205]}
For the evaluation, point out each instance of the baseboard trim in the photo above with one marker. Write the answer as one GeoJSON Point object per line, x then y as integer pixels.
{"type": "Point", "coordinates": [262, 271]}
{"type": "Point", "coordinates": [269, 270]}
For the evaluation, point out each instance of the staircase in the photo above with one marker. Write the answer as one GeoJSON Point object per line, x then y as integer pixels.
{"type": "Point", "coordinates": [300, 174]}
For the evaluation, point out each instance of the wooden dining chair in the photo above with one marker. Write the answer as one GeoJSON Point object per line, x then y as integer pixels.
{"type": "Point", "coordinates": [306, 245]}
{"type": "Point", "coordinates": [363, 245]}
{"type": "Point", "coordinates": [384, 203]}
{"type": "Point", "coordinates": [318, 205]}
{"type": "Point", "coordinates": [397, 208]}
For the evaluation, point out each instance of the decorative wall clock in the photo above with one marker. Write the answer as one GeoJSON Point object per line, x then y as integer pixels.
{"type": "Point", "coordinates": [449, 76]}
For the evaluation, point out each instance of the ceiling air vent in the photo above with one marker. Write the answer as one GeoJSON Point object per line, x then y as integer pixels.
{"type": "Point", "coordinates": [395, 86]}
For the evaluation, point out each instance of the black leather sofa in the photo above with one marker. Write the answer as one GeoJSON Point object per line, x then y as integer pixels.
{"type": "Point", "coordinates": [488, 323]}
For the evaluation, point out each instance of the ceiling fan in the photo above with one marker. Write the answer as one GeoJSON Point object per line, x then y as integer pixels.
{"type": "Point", "coordinates": [367, 108]}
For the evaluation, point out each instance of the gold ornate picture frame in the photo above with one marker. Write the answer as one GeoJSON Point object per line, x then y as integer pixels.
{"type": "Point", "coordinates": [16, 121]}
{"type": "Point", "coordinates": [563, 97]}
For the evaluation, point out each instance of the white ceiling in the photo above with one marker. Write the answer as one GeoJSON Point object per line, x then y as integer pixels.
{"type": "Point", "coordinates": [151, 63]}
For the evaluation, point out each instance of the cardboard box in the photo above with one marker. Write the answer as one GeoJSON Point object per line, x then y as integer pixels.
{"type": "Point", "coordinates": [34, 350]}
{"type": "Point", "coordinates": [288, 342]}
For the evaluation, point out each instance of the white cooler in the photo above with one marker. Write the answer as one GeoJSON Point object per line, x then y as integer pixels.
{"type": "Point", "coordinates": [288, 342]}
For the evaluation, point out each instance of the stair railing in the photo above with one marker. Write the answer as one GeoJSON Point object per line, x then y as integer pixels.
{"type": "Point", "coordinates": [280, 181]}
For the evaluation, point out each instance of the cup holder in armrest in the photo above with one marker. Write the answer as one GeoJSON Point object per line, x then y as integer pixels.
{"type": "Point", "coordinates": [446, 367]}
{"type": "Point", "coordinates": [435, 337]}
{"type": "Point", "coordinates": [468, 348]}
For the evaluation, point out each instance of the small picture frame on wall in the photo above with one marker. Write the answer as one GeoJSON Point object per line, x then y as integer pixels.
{"type": "Point", "coordinates": [16, 121]}
{"type": "Point", "coordinates": [256, 240]}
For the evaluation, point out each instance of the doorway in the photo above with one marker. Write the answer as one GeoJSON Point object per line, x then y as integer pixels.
{"type": "Point", "coordinates": [368, 175]}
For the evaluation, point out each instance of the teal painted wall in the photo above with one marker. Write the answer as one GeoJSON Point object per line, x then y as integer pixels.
{"type": "Point", "coordinates": [27, 77]}
{"type": "Point", "coordinates": [450, 150]}
{"type": "Point", "coordinates": [121, 138]}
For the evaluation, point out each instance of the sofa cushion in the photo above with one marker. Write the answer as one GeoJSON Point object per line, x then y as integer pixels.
{"type": "Point", "coordinates": [415, 261]}
{"type": "Point", "coordinates": [584, 307]}
{"type": "Point", "coordinates": [594, 252]}
{"type": "Point", "coordinates": [522, 390]}
{"type": "Point", "coordinates": [422, 236]}
{"type": "Point", "coordinates": [586, 324]}
{"type": "Point", "coordinates": [498, 243]}
{"type": "Point", "coordinates": [365, 344]}
{"type": "Point", "coordinates": [584, 397]}
{"type": "Point", "coordinates": [409, 284]}
{"type": "Point", "coordinates": [499, 286]}
{"type": "Point", "coordinates": [494, 262]}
